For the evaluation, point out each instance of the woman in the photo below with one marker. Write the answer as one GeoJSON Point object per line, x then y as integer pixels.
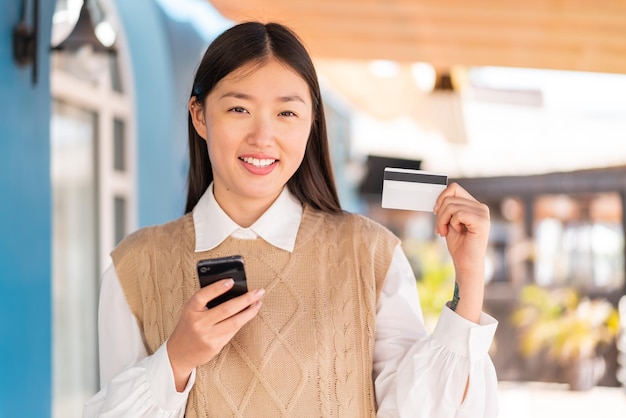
{"type": "Point", "coordinates": [332, 324]}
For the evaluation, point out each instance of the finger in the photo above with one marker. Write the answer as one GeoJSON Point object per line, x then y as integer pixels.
{"type": "Point", "coordinates": [233, 324]}
{"type": "Point", "coordinates": [235, 305]}
{"type": "Point", "coordinates": [458, 222]}
{"type": "Point", "coordinates": [453, 190]}
{"type": "Point", "coordinates": [199, 300]}
{"type": "Point", "coordinates": [461, 214]}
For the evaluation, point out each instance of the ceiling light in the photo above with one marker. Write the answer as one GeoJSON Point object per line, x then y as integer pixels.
{"type": "Point", "coordinates": [384, 68]}
{"type": "Point", "coordinates": [424, 75]}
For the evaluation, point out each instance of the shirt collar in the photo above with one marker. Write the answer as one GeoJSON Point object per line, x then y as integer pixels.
{"type": "Point", "coordinates": [278, 225]}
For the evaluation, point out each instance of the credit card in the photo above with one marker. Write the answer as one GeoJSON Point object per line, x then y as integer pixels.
{"type": "Point", "coordinates": [412, 189]}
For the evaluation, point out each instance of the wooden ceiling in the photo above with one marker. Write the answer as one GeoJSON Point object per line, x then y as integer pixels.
{"type": "Point", "coordinates": [580, 35]}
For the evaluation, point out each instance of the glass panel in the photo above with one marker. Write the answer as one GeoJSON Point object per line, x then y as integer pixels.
{"type": "Point", "coordinates": [116, 78]}
{"type": "Point", "coordinates": [119, 145]}
{"type": "Point", "coordinates": [120, 218]}
{"type": "Point", "coordinates": [75, 265]}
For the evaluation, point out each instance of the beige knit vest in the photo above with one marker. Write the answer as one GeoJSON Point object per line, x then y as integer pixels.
{"type": "Point", "coordinates": [308, 353]}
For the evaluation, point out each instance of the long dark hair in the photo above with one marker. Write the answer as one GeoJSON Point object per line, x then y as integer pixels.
{"type": "Point", "coordinates": [313, 182]}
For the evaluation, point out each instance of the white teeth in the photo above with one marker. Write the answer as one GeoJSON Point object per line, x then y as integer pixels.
{"type": "Point", "coordinates": [259, 163]}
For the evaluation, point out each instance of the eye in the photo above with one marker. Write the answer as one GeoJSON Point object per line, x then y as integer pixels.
{"type": "Point", "coordinates": [237, 109]}
{"type": "Point", "coordinates": [287, 113]}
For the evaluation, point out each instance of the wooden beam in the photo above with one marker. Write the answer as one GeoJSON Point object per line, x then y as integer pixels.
{"type": "Point", "coordinates": [573, 35]}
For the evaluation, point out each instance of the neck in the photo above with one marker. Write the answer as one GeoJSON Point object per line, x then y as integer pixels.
{"type": "Point", "coordinates": [244, 212]}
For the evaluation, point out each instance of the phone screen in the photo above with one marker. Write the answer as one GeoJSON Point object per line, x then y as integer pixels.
{"type": "Point", "coordinates": [214, 269]}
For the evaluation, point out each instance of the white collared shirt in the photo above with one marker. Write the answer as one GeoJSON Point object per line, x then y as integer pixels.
{"type": "Point", "coordinates": [213, 225]}
{"type": "Point", "coordinates": [415, 374]}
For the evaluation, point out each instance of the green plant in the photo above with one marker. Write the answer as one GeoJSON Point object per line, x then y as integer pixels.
{"type": "Point", "coordinates": [566, 326]}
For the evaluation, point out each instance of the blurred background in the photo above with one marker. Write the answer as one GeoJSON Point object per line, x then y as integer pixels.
{"type": "Point", "coordinates": [524, 104]}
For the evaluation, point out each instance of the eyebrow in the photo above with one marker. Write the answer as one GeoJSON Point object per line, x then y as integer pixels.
{"type": "Point", "coordinates": [283, 99]}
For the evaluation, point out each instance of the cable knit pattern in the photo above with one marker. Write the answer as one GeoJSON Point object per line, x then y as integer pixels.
{"type": "Point", "coordinates": [309, 351]}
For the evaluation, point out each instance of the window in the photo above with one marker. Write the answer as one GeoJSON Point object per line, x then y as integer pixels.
{"type": "Point", "coordinates": [93, 175]}
{"type": "Point", "coordinates": [580, 241]}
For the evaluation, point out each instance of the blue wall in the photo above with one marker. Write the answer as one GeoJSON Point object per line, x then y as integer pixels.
{"type": "Point", "coordinates": [25, 225]}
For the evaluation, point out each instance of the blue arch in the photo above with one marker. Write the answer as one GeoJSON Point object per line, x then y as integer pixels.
{"type": "Point", "coordinates": [160, 154]}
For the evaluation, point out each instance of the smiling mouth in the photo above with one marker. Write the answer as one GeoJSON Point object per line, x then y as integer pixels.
{"type": "Point", "coordinates": [265, 162]}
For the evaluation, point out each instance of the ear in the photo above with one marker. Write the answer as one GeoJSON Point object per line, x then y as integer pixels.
{"type": "Point", "coordinates": [196, 111]}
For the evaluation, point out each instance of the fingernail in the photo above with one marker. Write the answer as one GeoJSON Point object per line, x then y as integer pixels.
{"type": "Point", "coordinates": [259, 292]}
{"type": "Point", "coordinates": [228, 282]}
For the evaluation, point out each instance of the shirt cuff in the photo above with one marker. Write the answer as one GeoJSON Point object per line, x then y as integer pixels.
{"type": "Point", "coordinates": [464, 337]}
{"type": "Point", "coordinates": [161, 381]}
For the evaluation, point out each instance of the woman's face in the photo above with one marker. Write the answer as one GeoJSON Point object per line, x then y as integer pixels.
{"type": "Point", "coordinates": [256, 122]}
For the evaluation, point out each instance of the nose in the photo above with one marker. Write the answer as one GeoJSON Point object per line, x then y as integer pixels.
{"type": "Point", "coordinates": [262, 131]}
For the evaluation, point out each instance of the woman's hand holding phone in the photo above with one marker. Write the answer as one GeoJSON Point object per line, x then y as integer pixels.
{"type": "Point", "coordinates": [201, 333]}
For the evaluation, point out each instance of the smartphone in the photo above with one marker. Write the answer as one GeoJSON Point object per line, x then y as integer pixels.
{"type": "Point", "coordinates": [214, 269]}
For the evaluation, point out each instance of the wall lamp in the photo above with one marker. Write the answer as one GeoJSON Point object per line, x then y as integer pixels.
{"type": "Point", "coordinates": [25, 37]}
